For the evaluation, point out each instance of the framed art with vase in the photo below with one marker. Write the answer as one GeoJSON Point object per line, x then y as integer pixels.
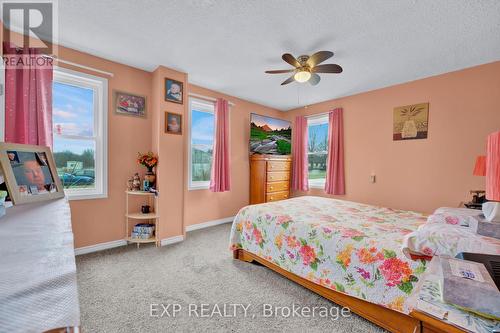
{"type": "Point", "coordinates": [411, 122]}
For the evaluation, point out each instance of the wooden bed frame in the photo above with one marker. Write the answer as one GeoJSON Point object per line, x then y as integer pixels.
{"type": "Point", "coordinates": [391, 320]}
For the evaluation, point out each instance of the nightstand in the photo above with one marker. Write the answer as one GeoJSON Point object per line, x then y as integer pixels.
{"type": "Point", "coordinates": [434, 325]}
{"type": "Point", "coordinates": [472, 205]}
{"type": "Point", "coordinates": [440, 317]}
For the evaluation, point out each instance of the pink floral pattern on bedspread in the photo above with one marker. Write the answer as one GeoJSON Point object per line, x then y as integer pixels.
{"type": "Point", "coordinates": [345, 246]}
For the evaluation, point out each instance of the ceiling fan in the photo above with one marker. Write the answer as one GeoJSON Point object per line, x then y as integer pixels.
{"type": "Point", "coordinates": [307, 67]}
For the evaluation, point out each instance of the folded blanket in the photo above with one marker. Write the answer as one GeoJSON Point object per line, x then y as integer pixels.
{"type": "Point", "coordinates": [432, 239]}
{"type": "Point", "coordinates": [472, 220]}
{"type": "Point", "coordinates": [469, 223]}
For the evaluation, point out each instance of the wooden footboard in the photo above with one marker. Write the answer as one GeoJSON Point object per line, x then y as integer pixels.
{"type": "Point", "coordinates": [389, 319]}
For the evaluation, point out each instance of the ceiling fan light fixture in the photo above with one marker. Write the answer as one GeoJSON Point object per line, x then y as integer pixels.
{"type": "Point", "coordinates": [302, 76]}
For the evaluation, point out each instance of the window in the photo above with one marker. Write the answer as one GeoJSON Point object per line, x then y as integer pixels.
{"type": "Point", "coordinates": [201, 140]}
{"type": "Point", "coordinates": [79, 112]}
{"type": "Point", "coordinates": [317, 150]}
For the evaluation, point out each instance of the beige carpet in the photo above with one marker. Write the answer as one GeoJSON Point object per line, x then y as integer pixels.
{"type": "Point", "coordinates": [118, 287]}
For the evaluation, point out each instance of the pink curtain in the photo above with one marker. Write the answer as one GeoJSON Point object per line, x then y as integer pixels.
{"type": "Point", "coordinates": [28, 98]}
{"type": "Point", "coordinates": [300, 170]}
{"type": "Point", "coordinates": [493, 167]}
{"type": "Point", "coordinates": [220, 178]}
{"type": "Point", "coordinates": [335, 162]}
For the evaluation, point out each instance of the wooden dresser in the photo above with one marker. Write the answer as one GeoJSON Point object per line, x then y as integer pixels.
{"type": "Point", "coordinates": [269, 178]}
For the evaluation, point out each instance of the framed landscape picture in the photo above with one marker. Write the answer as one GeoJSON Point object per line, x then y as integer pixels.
{"type": "Point", "coordinates": [30, 173]}
{"type": "Point", "coordinates": [174, 91]}
{"type": "Point", "coordinates": [129, 104]}
{"type": "Point", "coordinates": [411, 122]}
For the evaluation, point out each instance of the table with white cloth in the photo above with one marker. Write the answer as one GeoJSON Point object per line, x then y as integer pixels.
{"type": "Point", "coordinates": [38, 289]}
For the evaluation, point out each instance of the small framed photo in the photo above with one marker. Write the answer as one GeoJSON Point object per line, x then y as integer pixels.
{"type": "Point", "coordinates": [129, 104]}
{"type": "Point", "coordinates": [174, 91]}
{"type": "Point", "coordinates": [30, 173]}
{"type": "Point", "coordinates": [173, 123]}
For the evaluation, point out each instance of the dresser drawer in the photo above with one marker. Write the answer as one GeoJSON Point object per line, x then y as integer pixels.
{"type": "Point", "coordinates": [277, 196]}
{"type": "Point", "coordinates": [278, 166]}
{"type": "Point", "coordinates": [278, 176]}
{"type": "Point", "coordinates": [277, 186]}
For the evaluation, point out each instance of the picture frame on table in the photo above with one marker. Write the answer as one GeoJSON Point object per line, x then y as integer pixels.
{"type": "Point", "coordinates": [30, 173]}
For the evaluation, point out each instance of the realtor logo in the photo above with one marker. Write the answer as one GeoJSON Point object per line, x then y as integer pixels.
{"type": "Point", "coordinates": [30, 25]}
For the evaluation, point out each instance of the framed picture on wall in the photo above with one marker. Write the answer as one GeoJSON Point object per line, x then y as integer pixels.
{"type": "Point", "coordinates": [173, 123]}
{"type": "Point", "coordinates": [30, 173]}
{"type": "Point", "coordinates": [174, 91]}
{"type": "Point", "coordinates": [129, 104]}
{"type": "Point", "coordinates": [411, 122]}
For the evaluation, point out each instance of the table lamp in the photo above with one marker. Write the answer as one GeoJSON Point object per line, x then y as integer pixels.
{"type": "Point", "coordinates": [491, 209]}
{"type": "Point", "coordinates": [480, 166]}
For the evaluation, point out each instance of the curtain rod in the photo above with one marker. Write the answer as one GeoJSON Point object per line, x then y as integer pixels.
{"type": "Point", "coordinates": [71, 63]}
{"type": "Point", "coordinates": [208, 98]}
{"type": "Point", "coordinates": [318, 114]}
{"type": "Point", "coordinates": [83, 67]}
{"type": "Point", "coordinates": [67, 62]}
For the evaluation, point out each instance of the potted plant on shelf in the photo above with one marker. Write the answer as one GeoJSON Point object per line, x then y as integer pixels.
{"type": "Point", "coordinates": [149, 160]}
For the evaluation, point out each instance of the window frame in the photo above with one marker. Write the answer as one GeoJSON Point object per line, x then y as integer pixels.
{"type": "Point", "coordinates": [201, 106]}
{"type": "Point", "coordinates": [100, 87]}
{"type": "Point", "coordinates": [311, 121]}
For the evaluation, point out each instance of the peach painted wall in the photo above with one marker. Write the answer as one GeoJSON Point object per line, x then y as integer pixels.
{"type": "Point", "coordinates": [97, 221]}
{"type": "Point", "coordinates": [170, 149]}
{"type": "Point", "coordinates": [418, 175]}
{"type": "Point", "coordinates": [102, 220]}
{"type": "Point", "coordinates": [203, 205]}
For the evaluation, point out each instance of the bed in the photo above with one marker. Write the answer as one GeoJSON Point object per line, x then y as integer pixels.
{"type": "Point", "coordinates": [347, 252]}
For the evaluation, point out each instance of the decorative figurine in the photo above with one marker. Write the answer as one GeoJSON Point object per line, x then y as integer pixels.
{"type": "Point", "coordinates": [130, 183]}
{"type": "Point", "coordinates": [136, 184]}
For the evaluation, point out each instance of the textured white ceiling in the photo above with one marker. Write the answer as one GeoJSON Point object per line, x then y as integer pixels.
{"type": "Point", "coordinates": [226, 45]}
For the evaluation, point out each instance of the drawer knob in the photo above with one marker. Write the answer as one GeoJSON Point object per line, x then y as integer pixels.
{"type": "Point", "coordinates": [270, 187]}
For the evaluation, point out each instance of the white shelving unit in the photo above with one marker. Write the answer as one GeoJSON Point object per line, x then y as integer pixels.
{"type": "Point", "coordinates": [138, 216]}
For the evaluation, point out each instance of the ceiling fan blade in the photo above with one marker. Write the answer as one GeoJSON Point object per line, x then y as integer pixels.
{"type": "Point", "coordinates": [289, 80]}
{"type": "Point", "coordinates": [280, 71]}
{"type": "Point", "coordinates": [290, 59]}
{"type": "Point", "coordinates": [319, 57]}
{"type": "Point", "coordinates": [327, 68]}
{"type": "Point", "coordinates": [314, 80]}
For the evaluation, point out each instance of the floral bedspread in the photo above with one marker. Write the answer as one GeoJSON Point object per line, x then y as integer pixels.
{"type": "Point", "coordinates": [345, 246]}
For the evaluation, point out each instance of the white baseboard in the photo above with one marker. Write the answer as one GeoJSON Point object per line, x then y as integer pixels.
{"type": "Point", "coordinates": [163, 242]}
{"type": "Point", "coordinates": [209, 224]}
{"type": "Point", "coordinates": [100, 247]}
{"type": "Point", "coordinates": [171, 240]}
